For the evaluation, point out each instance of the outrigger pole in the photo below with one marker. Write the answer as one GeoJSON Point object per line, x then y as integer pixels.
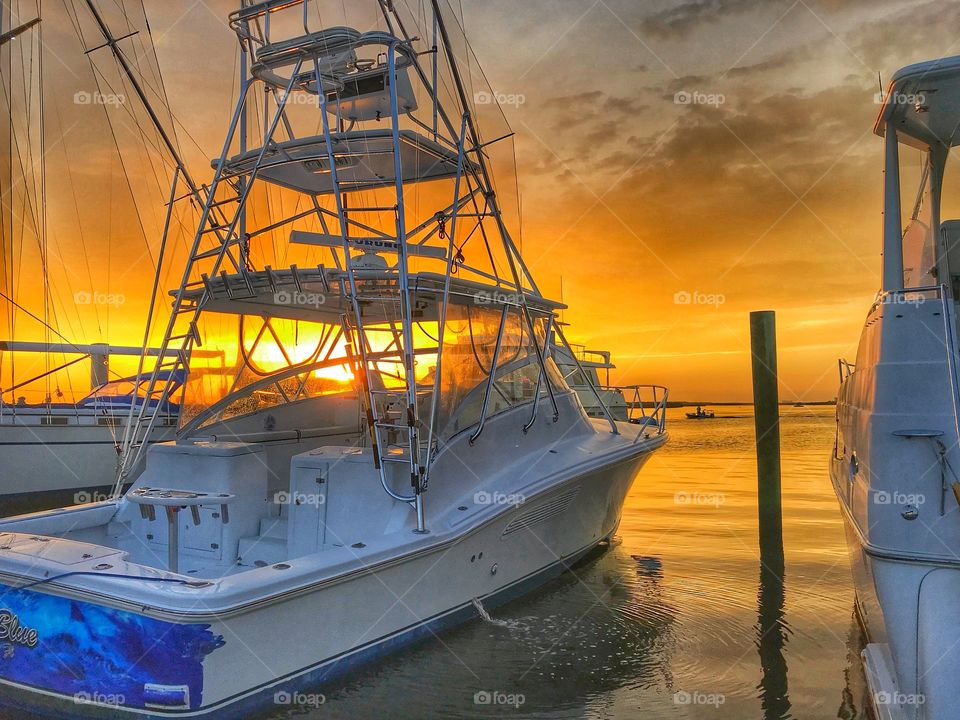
{"type": "Point", "coordinates": [111, 42]}
{"type": "Point", "coordinates": [17, 31]}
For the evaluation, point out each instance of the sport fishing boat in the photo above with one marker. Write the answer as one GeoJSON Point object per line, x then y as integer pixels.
{"type": "Point", "coordinates": [396, 448]}
{"type": "Point", "coordinates": [896, 456]}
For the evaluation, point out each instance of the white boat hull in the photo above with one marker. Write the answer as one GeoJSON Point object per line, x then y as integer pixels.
{"type": "Point", "coordinates": [351, 620]}
{"type": "Point", "coordinates": [60, 459]}
{"type": "Point", "coordinates": [902, 521]}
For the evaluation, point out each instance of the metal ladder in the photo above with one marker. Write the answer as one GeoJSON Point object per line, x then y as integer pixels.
{"type": "Point", "coordinates": [181, 335]}
{"type": "Point", "coordinates": [392, 413]}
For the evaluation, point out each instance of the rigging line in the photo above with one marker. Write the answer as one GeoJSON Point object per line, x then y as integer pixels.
{"type": "Point", "coordinates": [80, 232]}
{"type": "Point", "coordinates": [43, 192]}
{"type": "Point", "coordinates": [110, 233]}
{"type": "Point", "coordinates": [147, 141]}
{"type": "Point", "coordinates": [39, 320]}
{"type": "Point", "coordinates": [133, 196]}
{"type": "Point", "coordinates": [16, 147]}
{"type": "Point", "coordinates": [27, 171]}
{"type": "Point", "coordinates": [151, 50]}
{"type": "Point", "coordinates": [161, 89]}
{"type": "Point", "coordinates": [98, 76]}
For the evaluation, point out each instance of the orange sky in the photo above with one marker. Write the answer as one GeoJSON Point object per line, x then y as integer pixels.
{"type": "Point", "coordinates": [681, 164]}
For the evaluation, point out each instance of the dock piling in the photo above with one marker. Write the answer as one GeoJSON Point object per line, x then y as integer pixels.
{"type": "Point", "coordinates": [766, 405]}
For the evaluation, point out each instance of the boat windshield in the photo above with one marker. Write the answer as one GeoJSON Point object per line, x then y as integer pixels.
{"type": "Point", "coordinates": [125, 389]}
{"type": "Point", "coordinates": [262, 362]}
{"type": "Point", "coordinates": [469, 347]}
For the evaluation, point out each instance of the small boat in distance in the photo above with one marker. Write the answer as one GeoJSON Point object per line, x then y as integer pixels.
{"type": "Point", "coordinates": [701, 414]}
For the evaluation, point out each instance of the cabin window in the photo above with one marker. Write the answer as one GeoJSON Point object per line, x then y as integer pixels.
{"type": "Point", "coordinates": [54, 420]}
{"type": "Point", "coordinates": [917, 209]}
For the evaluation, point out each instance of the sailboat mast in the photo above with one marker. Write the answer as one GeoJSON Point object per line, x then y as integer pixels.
{"type": "Point", "coordinates": [6, 181]}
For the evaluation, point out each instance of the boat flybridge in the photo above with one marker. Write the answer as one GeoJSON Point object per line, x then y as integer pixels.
{"type": "Point", "coordinates": [384, 441]}
{"type": "Point", "coordinates": [896, 459]}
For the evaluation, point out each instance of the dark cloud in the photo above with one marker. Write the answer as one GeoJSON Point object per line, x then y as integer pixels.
{"type": "Point", "coordinates": [919, 32]}
{"type": "Point", "coordinates": [680, 20]}
{"type": "Point", "coordinates": [684, 18]}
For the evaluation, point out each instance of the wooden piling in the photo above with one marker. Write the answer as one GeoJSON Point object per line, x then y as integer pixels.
{"type": "Point", "coordinates": [766, 405]}
{"type": "Point", "coordinates": [771, 634]}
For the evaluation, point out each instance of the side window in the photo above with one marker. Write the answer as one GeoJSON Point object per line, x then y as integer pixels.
{"type": "Point", "coordinates": [950, 222]}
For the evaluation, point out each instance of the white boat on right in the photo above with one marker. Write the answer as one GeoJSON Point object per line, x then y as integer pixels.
{"type": "Point", "coordinates": [896, 460]}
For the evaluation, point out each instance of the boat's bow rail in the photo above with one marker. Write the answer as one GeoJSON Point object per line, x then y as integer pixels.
{"type": "Point", "coordinates": [646, 406]}
{"type": "Point", "coordinates": [846, 369]}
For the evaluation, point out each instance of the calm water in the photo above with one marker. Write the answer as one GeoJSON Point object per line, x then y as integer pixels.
{"type": "Point", "coordinates": [671, 621]}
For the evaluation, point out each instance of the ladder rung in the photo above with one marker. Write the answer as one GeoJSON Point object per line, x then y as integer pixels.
{"type": "Point", "coordinates": [225, 201]}
{"type": "Point", "coordinates": [400, 393]}
{"type": "Point", "coordinates": [214, 252]}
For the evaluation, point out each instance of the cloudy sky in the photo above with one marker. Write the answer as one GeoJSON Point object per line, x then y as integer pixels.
{"type": "Point", "coordinates": [712, 151]}
{"type": "Point", "coordinates": [681, 163]}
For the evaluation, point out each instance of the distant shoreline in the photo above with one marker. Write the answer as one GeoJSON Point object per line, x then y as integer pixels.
{"type": "Point", "coordinates": [685, 403]}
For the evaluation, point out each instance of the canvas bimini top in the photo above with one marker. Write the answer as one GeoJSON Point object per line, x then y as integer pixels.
{"type": "Point", "coordinates": [923, 102]}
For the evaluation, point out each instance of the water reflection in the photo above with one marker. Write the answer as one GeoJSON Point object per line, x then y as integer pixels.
{"type": "Point", "coordinates": [855, 701]}
{"type": "Point", "coordinates": [772, 629]}
{"type": "Point", "coordinates": [565, 651]}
